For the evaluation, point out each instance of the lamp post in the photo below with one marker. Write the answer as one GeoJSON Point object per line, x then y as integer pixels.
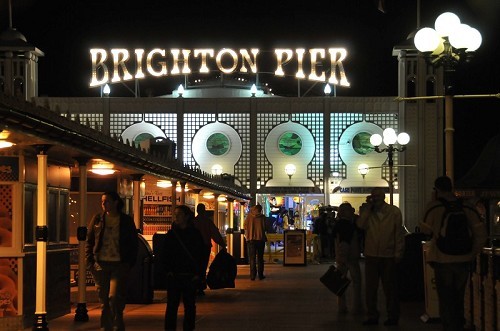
{"type": "Point", "coordinates": [253, 90]}
{"type": "Point", "coordinates": [390, 138]}
{"type": "Point", "coordinates": [180, 90]}
{"type": "Point", "coordinates": [290, 170]}
{"type": "Point", "coordinates": [448, 45]}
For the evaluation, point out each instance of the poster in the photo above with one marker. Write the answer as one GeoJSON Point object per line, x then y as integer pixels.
{"type": "Point", "coordinates": [8, 287]}
{"type": "Point", "coordinates": [5, 216]}
{"type": "Point", "coordinates": [295, 247]}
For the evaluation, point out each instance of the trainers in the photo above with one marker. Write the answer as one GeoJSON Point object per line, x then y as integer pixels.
{"type": "Point", "coordinates": [371, 321]}
{"type": "Point", "coordinates": [391, 321]}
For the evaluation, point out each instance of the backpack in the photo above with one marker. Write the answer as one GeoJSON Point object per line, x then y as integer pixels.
{"type": "Point", "coordinates": [455, 235]}
{"type": "Point", "coordinates": [222, 272]}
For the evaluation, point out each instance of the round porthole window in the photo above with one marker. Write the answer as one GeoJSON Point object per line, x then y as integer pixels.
{"type": "Point", "coordinates": [143, 136]}
{"type": "Point", "coordinates": [218, 144]}
{"type": "Point", "coordinates": [361, 143]}
{"type": "Point", "coordinates": [290, 143]}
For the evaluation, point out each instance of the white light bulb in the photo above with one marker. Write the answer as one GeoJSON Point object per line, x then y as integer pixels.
{"type": "Point", "coordinates": [427, 40]}
{"type": "Point", "coordinates": [475, 40]}
{"type": "Point", "coordinates": [376, 139]}
{"type": "Point", "coordinates": [403, 138]}
{"type": "Point", "coordinates": [459, 38]}
{"type": "Point", "coordinates": [446, 23]}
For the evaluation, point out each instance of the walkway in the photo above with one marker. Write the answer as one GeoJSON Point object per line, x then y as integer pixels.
{"type": "Point", "coordinates": [290, 298]}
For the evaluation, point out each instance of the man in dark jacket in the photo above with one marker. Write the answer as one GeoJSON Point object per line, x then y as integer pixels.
{"type": "Point", "coordinates": [209, 232]}
{"type": "Point", "coordinates": [111, 251]}
{"type": "Point", "coordinates": [183, 254]}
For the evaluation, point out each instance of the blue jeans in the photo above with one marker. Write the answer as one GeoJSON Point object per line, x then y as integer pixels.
{"type": "Point", "coordinates": [256, 257]}
{"type": "Point", "coordinates": [451, 280]}
{"type": "Point", "coordinates": [111, 284]}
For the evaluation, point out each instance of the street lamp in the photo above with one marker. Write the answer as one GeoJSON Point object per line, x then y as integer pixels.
{"type": "Point", "coordinates": [290, 170]}
{"type": "Point", "coordinates": [180, 90]}
{"type": "Point", "coordinates": [390, 138]}
{"type": "Point", "coordinates": [363, 169]}
{"type": "Point", "coordinates": [327, 90]}
{"type": "Point", "coordinates": [448, 45]}
{"type": "Point", "coordinates": [106, 90]}
{"type": "Point", "coordinates": [253, 90]}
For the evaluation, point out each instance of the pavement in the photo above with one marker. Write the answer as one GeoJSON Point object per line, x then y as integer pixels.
{"type": "Point", "coordinates": [289, 298]}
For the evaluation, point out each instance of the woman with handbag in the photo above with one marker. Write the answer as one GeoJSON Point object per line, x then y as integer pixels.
{"type": "Point", "coordinates": [183, 257]}
{"type": "Point", "coordinates": [347, 255]}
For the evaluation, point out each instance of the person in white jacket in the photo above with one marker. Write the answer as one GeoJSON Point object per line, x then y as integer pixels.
{"type": "Point", "coordinates": [384, 248]}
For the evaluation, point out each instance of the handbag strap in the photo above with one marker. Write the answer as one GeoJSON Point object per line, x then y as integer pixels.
{"type": "Point", "coordinates": [185, 248]}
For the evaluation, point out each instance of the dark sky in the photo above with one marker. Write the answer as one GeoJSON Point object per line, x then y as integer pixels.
{"type": "Point", "coordinates": [66, 30]}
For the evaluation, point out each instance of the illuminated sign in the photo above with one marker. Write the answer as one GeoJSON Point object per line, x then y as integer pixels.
{"type": "Point", "coordinates": [119, 64]}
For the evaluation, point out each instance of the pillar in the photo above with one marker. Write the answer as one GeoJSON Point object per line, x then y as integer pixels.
{"type": "Point", "coordinates": [196, 193]}
{"type": "Point", "coordinates": [230, 230]}
{"type": "Point", "coordinates": [81, 312]}
{"type": "Point", "coordinates": [183, 193]}
{"type": "Point", "coordinates": [242, 230]}
{"type": "Point", "coordinates": [216, 211]}
{"type": "Point", "coordinates": [42, 236]}
{"type": "Point", "coordinates": [174, 195]}
{"type": "Point", "coordinates": [136, 199]}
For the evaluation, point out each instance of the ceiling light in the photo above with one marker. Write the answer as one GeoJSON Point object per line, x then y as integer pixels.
{"type": "Point", "coordinates": [5, 143]}
{"type": "Point", "coordinates": [102, 168]}
{"type": "Point", "coordinates": [164, 183]}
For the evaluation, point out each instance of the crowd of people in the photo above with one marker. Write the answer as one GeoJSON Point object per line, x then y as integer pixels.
{"type": "Point", "coordinates": [377, 234]}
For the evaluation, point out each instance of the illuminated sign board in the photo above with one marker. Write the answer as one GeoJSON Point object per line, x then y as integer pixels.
{"type": "Point", "coordinates": [120, 64]}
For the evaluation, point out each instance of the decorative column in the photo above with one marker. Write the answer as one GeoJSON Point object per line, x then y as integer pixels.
{"type": "Point", "coordinates": [242, 230]}
{"type": "Point", "coordinates": [216, 211]}
{"type": "Point", "coordinates": [196, 193]}
{"type": "Point", "coordinates": [327, 170]}
{"type": "Point", "coordinates": [136, 199]}
{"type": "Point", "coordinates": [183, 193]}
{"type": "Point", "coordinates": [174, 195]}
{"type": "Point", "coordinates": [230, 230]}
{"type": "Point", "coordinates": [81, 312]}
{"type": "Point", "coordinates": [42, 236]}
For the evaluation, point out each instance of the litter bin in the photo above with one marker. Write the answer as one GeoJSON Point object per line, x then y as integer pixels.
{"type": "Point", "coordinates": [411, 269]}
{"type": "Point", "coordinates": [140, 286]}
{"type": "Point", "coordinates": [159, 272]}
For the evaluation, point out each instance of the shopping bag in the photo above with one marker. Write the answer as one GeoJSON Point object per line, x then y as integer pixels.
{"type": "Point", "coordinates": [335, 280]}
{"type": "Point", "coordinates": [222, 272]}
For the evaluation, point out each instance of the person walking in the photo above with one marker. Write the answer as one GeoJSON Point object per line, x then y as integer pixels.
{"type": "Point", "coordinates": [209, 232]}
{"type": "Point", "coordinates": [451, 270]}
{"type": "Point", "coordinates": [183, 253]}
{"type": "Point", "coordinates": [347, 254]}
{"type": "Point", "coordinates": [111, 251]}
{"type": "Point", "coordinates": [384, 248]}
{"type": "Point", "coordinates": [255, 235]}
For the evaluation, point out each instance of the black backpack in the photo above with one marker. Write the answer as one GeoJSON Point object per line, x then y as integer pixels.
{"type": "Point", "coordinates": [455, 235]}
{"type": "Point", "coordinates": [222, 272]}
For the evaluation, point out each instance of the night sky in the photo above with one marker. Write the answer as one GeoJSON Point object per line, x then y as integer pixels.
{"type": "Point", "coordinates": [66, 30]}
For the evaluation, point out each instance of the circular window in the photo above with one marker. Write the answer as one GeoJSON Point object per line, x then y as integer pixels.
{"type": "Point", "coordinates": [290, 143]}
{"type": "Point", "coordinates": [143, 136]}
{"type": "Point", "coordinates": [361, 143]}
{"type": "Point", "coordinates": [218, 144]}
